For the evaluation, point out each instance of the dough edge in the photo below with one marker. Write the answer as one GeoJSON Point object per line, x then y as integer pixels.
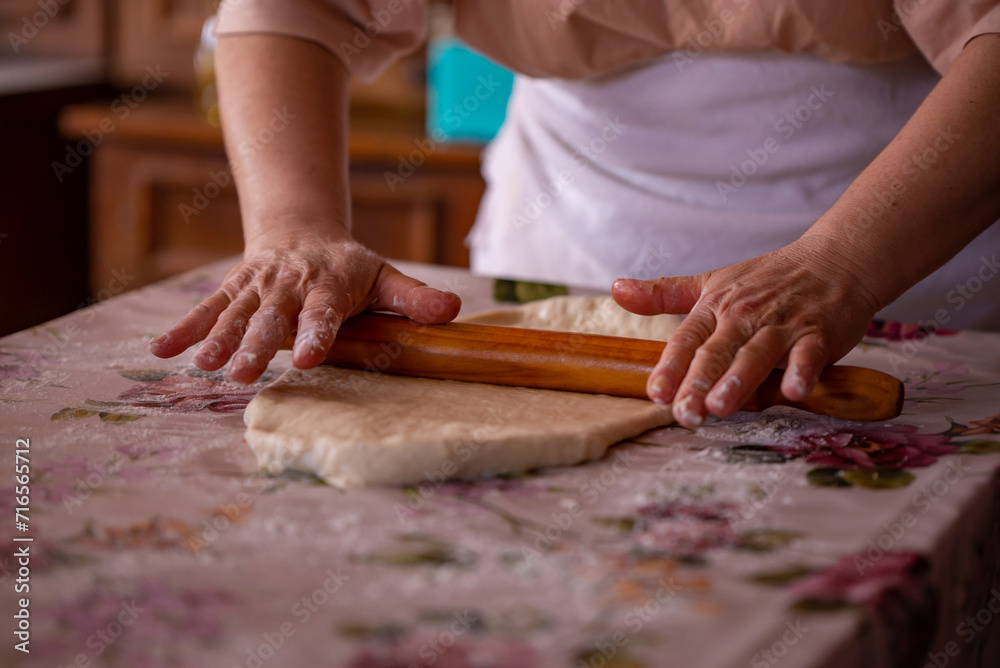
{"type": "Point", "coordinates": [543, 442]}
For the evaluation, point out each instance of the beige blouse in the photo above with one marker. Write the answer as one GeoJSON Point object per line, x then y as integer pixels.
{"type": "Point", "coordinates": [584, 38]}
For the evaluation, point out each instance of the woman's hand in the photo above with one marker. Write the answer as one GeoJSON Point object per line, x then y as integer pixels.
{"type": "Point", "coordinates": [801, 307]}
{"type": "Point", "coordinates": [806, 305]}
{"type": "Point", "coordinates": [301, 269]}
{"type": "Point", "coordinates": [311, 283]}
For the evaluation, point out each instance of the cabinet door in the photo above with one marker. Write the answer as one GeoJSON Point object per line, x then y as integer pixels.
{"type": "Point", "coordinates": [162, 33]}
{"type": "Point", "coordinates": [159, 213]}
{"type": "Point", "coordinates": [424, 219]}
{"type": "Point", "coordinates": [53, 27]}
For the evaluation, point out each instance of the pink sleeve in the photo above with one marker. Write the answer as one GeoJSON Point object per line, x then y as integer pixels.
{"type": "Point", "coordinates": [942, 28]}
{"type": "Point", "coordinates": [367, 35]}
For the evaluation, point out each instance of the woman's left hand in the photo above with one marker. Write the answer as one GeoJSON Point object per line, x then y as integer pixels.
{"type": "Point", "coordinates": [802, 307]}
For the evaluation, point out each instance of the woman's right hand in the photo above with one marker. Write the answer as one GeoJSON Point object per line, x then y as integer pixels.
{"type": "Point", "coordinates": [291, 281]}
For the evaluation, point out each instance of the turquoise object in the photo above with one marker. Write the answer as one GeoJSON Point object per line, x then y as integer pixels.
{"type": "Point", "coordinates": [467, 93]}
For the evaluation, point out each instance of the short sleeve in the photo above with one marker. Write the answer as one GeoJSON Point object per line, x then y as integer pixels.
{"type": "Point", "coordinates": [367, 35]}
{"type": "Point", "coordinates": [942, 28]}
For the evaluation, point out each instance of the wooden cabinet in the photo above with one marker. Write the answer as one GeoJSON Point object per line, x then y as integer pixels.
{"type": "Point", "coordinates": [165, 33]}
{"type": "Point", "coordinates": [53, 27]}
{"type": "Point", "coordinates": [162, 203]}
{"type": "Point", "coordinates": [157, 33]}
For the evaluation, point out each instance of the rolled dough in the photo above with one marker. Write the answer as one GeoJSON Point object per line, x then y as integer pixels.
{"type": "Point", "coordinates": [583, 315]}
{"type": "Point", "coordinates": [356, 428]}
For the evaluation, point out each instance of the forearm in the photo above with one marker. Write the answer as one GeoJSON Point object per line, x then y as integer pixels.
{"type": "Point", "coordinates": [933, 189]}
{"type": "Point", "coordinates": [283, 103]}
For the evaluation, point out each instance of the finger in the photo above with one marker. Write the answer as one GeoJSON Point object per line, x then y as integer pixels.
{"type": "Point", "coordinates": [414, 299]}
{"type": "Point", "coordinates": [668, 373]}
{"type": "Point", "coordinates": [662, 295]}
{"type": "Point", "coordinates": [805, 364]}
{"type": "Point", "coordinates": [192, 328]}
{"type": "Point", "coordinates": [227, 333]}
{"type": "Point", "coordinates": [752, 364]}
{"type": "Point", "coordinates": [319, 320]}
{"type": "Point", "coordinates": [711, 361]}
{"type": "Point", "coordinates": [267, 330]}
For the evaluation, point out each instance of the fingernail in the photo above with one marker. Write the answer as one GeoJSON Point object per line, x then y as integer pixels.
{"type": "Point", "coordinates": [209, 351]}
{"type": "Point", "coordinates": [720, 396]}
{"type": "Point", "coordinates": [684, 414]}
{"type": "Point", "coordinates": [659, 389]}
{"type": "Point", "coordinates": [798, 384]}
{"type": "Point", "coordinates": [242, 360]}
{"type": "Point", "coordinates": [308, 344]}
{"type": "Point", "coordinates": [158, 341]}
{"type": "Point", "coordinates": [239, 364]}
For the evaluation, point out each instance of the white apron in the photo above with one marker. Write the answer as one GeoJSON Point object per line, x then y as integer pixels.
{"type": "Point", "coordinates": [668, 170]}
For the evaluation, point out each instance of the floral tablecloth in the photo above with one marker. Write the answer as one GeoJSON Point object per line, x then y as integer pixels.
{"type": "Point", "coordinates": [765, 539]}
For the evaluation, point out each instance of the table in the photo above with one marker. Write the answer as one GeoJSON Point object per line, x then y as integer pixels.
{"type": "Point", "coordinates": [763, 539]}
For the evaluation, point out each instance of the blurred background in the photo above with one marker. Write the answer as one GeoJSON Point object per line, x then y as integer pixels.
{"type": "Point", "coordinates": [115, 175]}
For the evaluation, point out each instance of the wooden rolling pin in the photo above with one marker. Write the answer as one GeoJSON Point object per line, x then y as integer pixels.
{"type": "Point", "coordinates": [577, 362]}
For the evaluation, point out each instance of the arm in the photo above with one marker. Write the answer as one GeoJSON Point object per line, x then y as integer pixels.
{"type": "Point", "coordinates": [301, 268]}
{"type": "Point", "coordinates": [807, 304]}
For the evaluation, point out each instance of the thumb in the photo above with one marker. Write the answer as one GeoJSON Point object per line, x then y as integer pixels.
{"type": "Point", "coordinates": [677, 294]}
{"type": "Point", "coordinates": [416, 300]}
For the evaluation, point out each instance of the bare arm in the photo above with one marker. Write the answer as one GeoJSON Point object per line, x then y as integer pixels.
{"type": "Point", "coordinates": [807, 304]}
{"type": "Point", "coordinates": [940, 177]}
{"type": "Point", "coordinates": [284, 115]}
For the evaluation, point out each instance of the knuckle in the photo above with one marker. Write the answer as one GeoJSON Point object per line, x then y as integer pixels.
{"type": "Point", "coordinates": [272, 317]}
{"type": "Point", "coordinates": [746, 328]}
{"type": "Point", "coordinates": [719, 349]}
{"type": "Point", "coordinates": [743, 312]}
{"type": "Point", "coordinates": [686, 339]}
{"type": "Point", "coordinates": [712, 364]}
{"type": "Point", "coordinates": [756, 356]}
{"type": "Point", "coordinates": [776, 314]}
{"type": "Point", "coordinates": [231, 290]}
{"type": "Point", "coordinates": [201, 310]}
{"type": "Point", "coordinates": [233, 329]}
